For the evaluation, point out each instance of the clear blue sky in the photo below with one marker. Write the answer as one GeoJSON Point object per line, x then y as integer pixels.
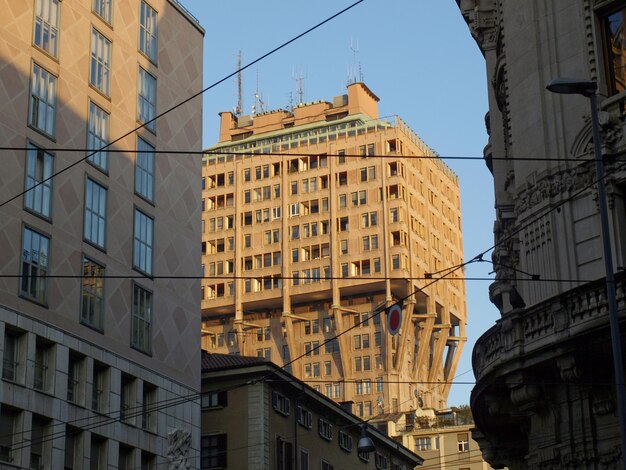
{"type": "Point", "coordinates": [417, 56]}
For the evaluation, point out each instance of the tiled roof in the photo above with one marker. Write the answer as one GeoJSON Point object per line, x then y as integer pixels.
{"type": "Point", "coordinates": [212, 361]}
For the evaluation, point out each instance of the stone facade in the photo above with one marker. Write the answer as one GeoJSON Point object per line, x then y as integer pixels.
{"type": "Point", "coordinates": [92, 339]}
{"type": "Point", "coordinates": [545, 393]}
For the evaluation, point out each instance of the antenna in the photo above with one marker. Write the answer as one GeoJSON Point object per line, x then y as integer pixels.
{"type": "Point", "coordinates": [299, 79]}
{"type": "Point", "coordinates": [259, 104]}
{"type": "Point", "coordinates": [353, 76]}
{"type": "Point", "coordinates": [239, 108]}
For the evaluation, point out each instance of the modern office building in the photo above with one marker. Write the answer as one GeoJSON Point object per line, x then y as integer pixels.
{"type": "Point", "coordinates": [314, 221]}
{"type": "Point", "coordinates": [545, 395]}
{"type": "Point", "coordinates": [257, 416]}
{"type": "Point", "coordinates": [97, 348]}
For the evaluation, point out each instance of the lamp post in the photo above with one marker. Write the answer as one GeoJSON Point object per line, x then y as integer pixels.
{"type": "Point", "coordinates": [588, 89]}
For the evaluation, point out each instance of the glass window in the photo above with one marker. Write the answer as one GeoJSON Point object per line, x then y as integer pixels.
{"type": "Point", "coordinates": [146, 107]}
{"type": "Point", "coordinates": [142, 253]}
{"type": "Point", "coordinates": [100, 70]}
{"type": "Point", "coordinates": [42, 100]}
{"type": "Point", "coordinates": [92, 310]}
{"type": "Point", "coordinates": [144, 170]}
{"type": "Point", "coordinates": [616, 50]}
{"type": "Point", "coordinates": [35, 251]}
{"type": "Point", "coordinates": [141, 336]}
{"type": "Point", "coordinates": [148, 31]}
{"type": "Point", "coordinates": [103, 9]}
{"type": "Point", "coordinates": [98, 136]}
{"type": "Point", "coordinates": [46, 30]}
{"type": "Point", "coordinates": [39, 164]}
{"type": "Point", "coordinates": [95, 213]}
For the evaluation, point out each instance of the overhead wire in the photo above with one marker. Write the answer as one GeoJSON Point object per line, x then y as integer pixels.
{"type": "Point", "coordinates": [186, 100]}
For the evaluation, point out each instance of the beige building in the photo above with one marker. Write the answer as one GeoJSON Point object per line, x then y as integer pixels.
{"type": "Point", "coordinates": [314, 221]}
{"type": "Point", "coordinates": [442, 438]}
{"type": "Point", "coordinates": [257, 416]}
{"type": "Point", "coordinates": [545, 395]}
{"type": "Point", "coordinates": [92, 340]}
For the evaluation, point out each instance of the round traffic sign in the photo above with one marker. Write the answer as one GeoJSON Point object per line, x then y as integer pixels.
{"type": "Point", "coordinates": [394, 319]}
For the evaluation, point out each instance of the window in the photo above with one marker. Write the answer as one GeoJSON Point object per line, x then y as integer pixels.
{"type": "Point", "coordinates": [100, 71]}
{"type": "Point", "coordinates": [325, 429]}
{"type": "Point", "coordinates": [304, 417]}
{"type": "Point", "coordinates": [463, 442]}
{"type": "Point", "coordinates": [46, 31]}
{"type": "Point", "coordinates": [423, 443]}
{"type": "Point", "coordinates": [8, 421]}
{"type": "Point", "coordinates": [73, 378]}
{"type": "Point", "coordinates": [98, 391]}
{"type": "Point", "coordinates": [148, 31]}
{"type": "Point", "coordinates": [326, 465]}
{"type": "Point", "coordinates": [379, 385]}
{"type": "Point", "coordinates": [213, 451]}
{"type": "Point", "coordinates": [284, 457]}
{"type": "Point", "coordinates": [144, 170]}
{"type": "Point", "coordinates": [127, 401]}
{"type": "Point", "coordinates": [95, 213]}
{"type": "Point", "coordinates": [141, 334]}
{"type": "Point", "coordinates": [146, 106]}
{"type": "Point", "coordinates": [614, 47]}
{"type": "Point", "coordinates": [382, 462]}
{"type": "Point", "coordinates": [142, 253]}
{"type": "Point", "coordinates": [97, 137]}
{"type": "Point", "coordinates": [42, 100]}
{"type": "Point", "coordinates": [35, 252]}
{"type": "Point", "coordinates": [98, 453]}
{"type": "Point", "coordinates": [103, 9]}
{"type": "Point", "coordinates": [148, 400]}
{"type": "Point", "coordinates": [304, 459]}
{"type": "Point", "coordinates": [39, 436]}
{"type": "Point", "coordinates": [395, 262]}
{"type": "Point", "coordinates": [281, 403]}
{"type": "Point", "coordinates": [38, 196]}
{"type": "Point", "coordinates": [345, 441]}
{"type": "Point", "coordinates": [92, 305]}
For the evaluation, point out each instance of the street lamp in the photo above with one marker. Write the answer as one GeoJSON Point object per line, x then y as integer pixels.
{"type": "Point", "coordinates": [586, 88]}
{"type": "Point", "coordinates": [365, 443]}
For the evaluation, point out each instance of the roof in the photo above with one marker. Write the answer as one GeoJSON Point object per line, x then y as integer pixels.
{"type": "Point", "coordinates": [212, 361]}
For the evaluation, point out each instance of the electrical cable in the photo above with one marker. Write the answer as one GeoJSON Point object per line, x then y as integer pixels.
{"type": "Point", "coordinates": [186, 100]}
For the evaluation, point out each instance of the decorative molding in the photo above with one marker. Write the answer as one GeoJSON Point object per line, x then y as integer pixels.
{"type": "Point", "coordinates": [178, 445]}
{"type": "Point", "coordinates": [553, 185]}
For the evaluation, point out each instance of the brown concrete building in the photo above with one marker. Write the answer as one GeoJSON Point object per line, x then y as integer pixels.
{"type": "Point", "coordinates": [92, 341]}
{"type": "Point", "coordinates": [545, 395]}
{"type": "Point", "coordinates": [314, 221]}
{"type": "Point", "coordinates": [257, 416]}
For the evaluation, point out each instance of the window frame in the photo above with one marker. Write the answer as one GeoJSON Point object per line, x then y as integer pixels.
{"type": "Point", "coordinates": [141, 322]}
{"type": "Point", "coordinates": [100, 63]}
{"type": "Point", "coordinates": [146, 82]}
{"type": "Point", "coordinates": [53, 30]}
{"type": "Point", "coordinates": [98, 118]}
{"type": "Point", "coordinates": [34, 186]}
{"type": "Point", "coordinates": [24, 293]}
{"type": "Point", "coordinates": [94, 216]}
{"type": "Point", "coordinates": [36, 101]}
{"type": "Point", "coordinates": [147, 248]}
{"type": "Point", "coordinates": [98, 301]}
{"type": "Point", "coordinates": [145, 171]}
{"type": "Point", "coordinates": [148, 48]}
{"type": "Point", "coordinates": [100, 6]}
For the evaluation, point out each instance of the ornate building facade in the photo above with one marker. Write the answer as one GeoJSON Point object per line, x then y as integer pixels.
{"type": "Point", "coordinates": [315, 220]}
{"type": "Point", "coordinates": [545, 393]}
{"type": "Point", "coordinates": [99, 354]}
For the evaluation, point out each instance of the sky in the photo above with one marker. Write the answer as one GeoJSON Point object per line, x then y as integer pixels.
{"type": "Point", "coordinates": [417, 56]}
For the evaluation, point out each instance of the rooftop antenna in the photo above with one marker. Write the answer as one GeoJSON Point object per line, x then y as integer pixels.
{"type": "Point", "coordinates": [259, 104]}
{"type": "Point", "coordinates": [239, 108]}
{"type": "Point", "coordinates": [299, 78]}
{"type": "Point", "coordinates": [356, 64]}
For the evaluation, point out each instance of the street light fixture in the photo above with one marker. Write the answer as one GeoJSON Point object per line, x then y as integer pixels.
{"type": "Point", "coordinates": [589, 88]}
{"type": "Point", "coordinates": [365, 443]}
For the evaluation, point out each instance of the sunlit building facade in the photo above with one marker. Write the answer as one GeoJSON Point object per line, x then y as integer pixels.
{"type": "Point", "coordinates": [92, 340]}
{"type": "Point", "coordinates": [314, 221]}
